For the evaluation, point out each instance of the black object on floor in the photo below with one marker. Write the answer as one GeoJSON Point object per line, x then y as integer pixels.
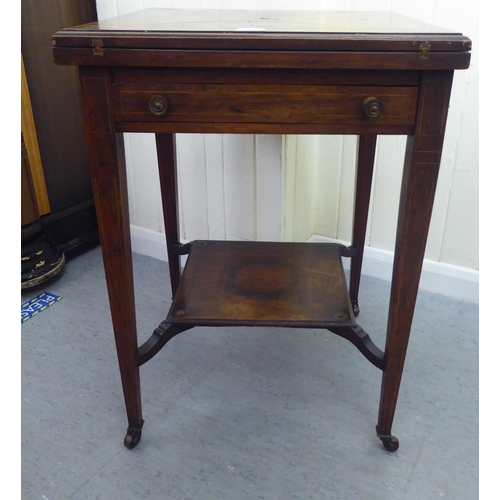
{"type": "Point", "coordinates": [41, 260]}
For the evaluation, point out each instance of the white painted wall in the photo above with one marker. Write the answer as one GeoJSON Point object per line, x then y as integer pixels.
{"type": "Point", "coordinates": [231, 186]}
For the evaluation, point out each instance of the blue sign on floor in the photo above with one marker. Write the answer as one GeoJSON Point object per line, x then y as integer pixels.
{"type": "Point", "coordinates": [37, 305]}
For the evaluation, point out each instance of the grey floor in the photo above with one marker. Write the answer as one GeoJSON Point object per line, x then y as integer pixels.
{"type": "Point", "coordinates": [236, 413]}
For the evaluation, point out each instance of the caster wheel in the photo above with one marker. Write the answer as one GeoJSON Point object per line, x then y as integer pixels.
{"type": "Point", "coordinates": [131, 440]}
{"type": "Point", "coordinates": [391, 443]}
{"type": "Point", "coordinates": [133, 436]}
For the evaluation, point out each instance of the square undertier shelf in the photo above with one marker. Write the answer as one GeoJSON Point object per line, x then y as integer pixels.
{"type": "Point", "coordinates": [229, 283]}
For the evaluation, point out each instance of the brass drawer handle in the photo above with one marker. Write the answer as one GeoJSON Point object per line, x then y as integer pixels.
{"type": "Point", "coordinates": [158, 105]}
{"type": "Point", "coordinates": [372, 107]}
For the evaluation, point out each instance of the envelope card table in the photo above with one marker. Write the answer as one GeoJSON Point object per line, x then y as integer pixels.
{"type": "Point", "coordinates": [167, 71]}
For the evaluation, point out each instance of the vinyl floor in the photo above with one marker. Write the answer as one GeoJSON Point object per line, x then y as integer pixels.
{"type": "Point", "coordinates": [243, 413]}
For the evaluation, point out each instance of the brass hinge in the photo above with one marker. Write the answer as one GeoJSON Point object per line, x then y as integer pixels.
{"type": "Point", "coordinates": [424, 50]}
{"type": "Point", "coordinates": [97, 45]}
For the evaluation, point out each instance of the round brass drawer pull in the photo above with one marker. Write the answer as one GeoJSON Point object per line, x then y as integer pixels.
{"type": "Point", "coordinates": [372, 107]}
{"type": "Point", "coordinates": [158, 105]}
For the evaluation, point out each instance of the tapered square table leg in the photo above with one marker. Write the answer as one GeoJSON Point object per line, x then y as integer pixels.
{"type": "Point", "coordinates": [364, 175]}
{"type": "Point", "coordinates": [107, 168]}
{"type": "Point", "coordinates": [420, 175]}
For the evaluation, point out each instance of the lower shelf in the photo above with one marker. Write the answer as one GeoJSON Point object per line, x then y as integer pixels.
{"type": "Point", "coordinates": [263, 283]}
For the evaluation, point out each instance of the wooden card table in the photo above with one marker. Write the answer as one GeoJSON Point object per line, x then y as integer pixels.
{"type": "Point", "coordinates": [256, 72]}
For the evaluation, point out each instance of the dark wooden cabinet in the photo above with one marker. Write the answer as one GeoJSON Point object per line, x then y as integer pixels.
{"type": "Point", "coordinates": [68, 213]}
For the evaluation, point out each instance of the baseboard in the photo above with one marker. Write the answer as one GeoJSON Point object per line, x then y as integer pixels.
{"type": "Point", "coordinates": [453, 281]}
{"type": "Point", "coordinates": [150, 243]}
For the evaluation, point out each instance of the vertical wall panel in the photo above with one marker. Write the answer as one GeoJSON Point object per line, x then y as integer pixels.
{"type": "Point", "coordinates": [300, 160]}
{"type": "Point", "coordinates": [305, 188]}
{"type": "Point", "coordinates": [127, 6]}
{"type": "Point", "coordinates": [268, 187]}
{"type": "Point", "coordinates": [215, 186]}
{"type": "Point", "coordinates": [106, 9]}
{"type": "Point", "coordinates": [346, 191]}
{"type": "Point", "coordinates": [328, 183]}
{"type": "Point", "coordinates": [143, 181]}
{"type": "Point", "coordinates": [385, 192]}
{"type": "Point", "coordinates": [192, 182]}
{"type": "Point", "coordinates": [239, 186]}
{"type": "Point", "coordinates": [460, 237]}
{"type": "Point", "coordinates": [289, 148]}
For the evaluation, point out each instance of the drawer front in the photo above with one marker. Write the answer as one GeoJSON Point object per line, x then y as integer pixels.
{"type": "Point", "coordinates": [223, 103]}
